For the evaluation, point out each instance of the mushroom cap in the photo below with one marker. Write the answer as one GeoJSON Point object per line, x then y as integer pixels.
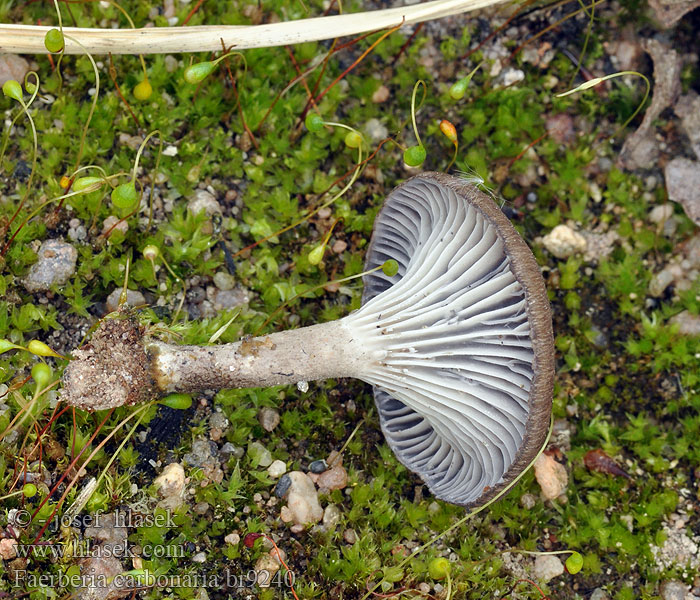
{"type": "Point", "coordinates": [464, 388]}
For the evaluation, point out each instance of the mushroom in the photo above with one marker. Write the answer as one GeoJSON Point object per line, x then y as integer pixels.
{"type": "Point", "coordinates": [458, 345]}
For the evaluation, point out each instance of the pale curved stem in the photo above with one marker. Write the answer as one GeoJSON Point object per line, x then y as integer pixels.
{"type": "Point", "coordinates": [29, 39]}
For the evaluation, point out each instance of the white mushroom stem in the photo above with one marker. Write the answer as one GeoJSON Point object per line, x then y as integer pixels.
{"type": "Point", "coordinates": [324, 351]}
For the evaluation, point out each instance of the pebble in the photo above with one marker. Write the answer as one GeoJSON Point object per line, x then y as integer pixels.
{"type": "Point", "coordinates": [375, 130]}
{"type": "Point", "coordinates": [683, 185]}
{"type": "Point", "coordinates": [204, 201]}
{"type": "Point", "coordinates": [563, 241]}
{"type": "Point", "coordinates": [224, 281]}
{"type": "Point", "coordinates": [133, 298]}
{"type": "Point", "coordinates": [102, 569]}
{"type": "Point", "coordinates": [201, 508]}
{"type": "Point", "coordinates": [512, 76]}
{"type": "Point", "coordinates": [661, 213]}
{"type": "Point", "coordinates": [200, 557]}
{"type": "Point", "coordinates": [528, 501]}
{"type": "Point", "coordinates": [14, 67]}
{"type": "Point", "coordinates": [266, 567]}
{"type": "Point", "coordinates": [268, 418]}
{"type": "Point", "coordinates": [7, 549]}
{"type": "Point", "coordinates": [235, 451]}
{"type": "Point", "coordinates": [283, 486]}
{"type": "Point", "coordinates": [233, 539]}
{"type": "Point", "coordinates": [55, 266]}
{"type": "Point", "coordinates": [599, 594]}
{"type": "Point", "coordinates": [218, 426]}
{"type": "Point", "coordinates": [339, 246]}
{"type": "Point", "coordinates": [112, 223]}
{"type": "Point", "coordinates": [381, 94]}
{"type": "Point", "coordinates": [560, 128]}
{"type": "Point", "coordinates": [259, 454]}
{"type": "Point", "coordinates": [171, 481]}
{"type": "Point", "coordinates": [170, 63]}
{"type": "Point", "coordinates": [277, 469]}
{"type": "Point", "coordinates": [688, 323]}
{"type": "Point", "coordinates": [688, 108]}
{"type": "Point", "coordinates": [335, 478]}
{"type": "Point", "coordinates": [318, 466]}
{"type": "Point", "coordinates": [302, 499]}
{"type": "Point", "coordinates": [349, 536]}
{"type": "Point", "coordinates": [547, 567]}
{"type": "Point", "coordinates": [551, 476]}
{"type": "Point", "coordinates": [331, 516]}
{"type": "Point", "coordinates": [228, 299]}
{"type": "Point", "coordinates": [672, 589]}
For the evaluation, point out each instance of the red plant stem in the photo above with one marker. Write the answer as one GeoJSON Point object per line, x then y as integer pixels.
{"type": "Point", "coordinates": [530, 145]}
{"type": "Point", "coordinates": [359, 60]}
{"type": "Point", "coordinates": [195, 8]}
{"type": "Point", "coordinates": [238, 99]}
{"type": "Point", "coordinates": [113, 76]}
{"type": "Point", "coordinates": [409, 41]}
{"type": "Point", "coordinates": [60, 481]}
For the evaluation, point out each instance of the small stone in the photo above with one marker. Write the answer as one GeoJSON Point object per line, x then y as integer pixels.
{"type": "Point", "coordinates": [201, 508]}
{"type": "Point", "coordinates": [200, 557]}
{"type": "Point", "coordinates": [318, 466]}
{"type": "Point", "coordinates": [599, 594]}
{"type": "Point", "coordinates": [171, 482]}
{"type": "Point", "coordinates": [228, 299]}
{"type": "Point", "coordinates": [683, 185]}
{"type": "Point", "coordinates": [673, 589]}
{"type": "Point", "coordinates": [170, 63]}
{"type": "Point", "coordinates": [335, 478]}
{"type": "Point", "coordinates": [265, 569]}
{"type": "Point", "coordinates": [55, 266]}
{"type": "Point", "coordinates": [349, 536]}
{"type": "Point", "coordinates": [112, 223]}
{"type": "Point", "coordinates": [560, 128]}
{"type": "Point", "coordinates": [302, 499]}
{"type": "Point", "coordinates": [12, 66]}
{"type": "Point", "coordinates": [268, 418]}
{"type": "Point", "coordinates": [512, 76]}
{"type": "Point", "coordinates": [331, 516]}
{"type": "Point", "coordinates": [260, 455]}
{"type": "Point", "coordinates": [339, 246]}
{"type": "Point", "coordinates": [688, 323]}
{"type": "Point", "coordinates": [547, 567]}
{"type": "Point", "coordinates": [376, 131]}
{"type": "Point", "coordinates": [277, 469]}
{"type": "Point", "coordinates": [232, 538]}
{"type": "Point", "coordinates": [551, 476]}
{"type": "Point", "coordinates": [204, 201]}
{"type": "Point", "coordinates": [283, 486]}
{"type": "Point", "coordinates": [381, 94]}
{"type": "Point", "coordinates": [659, 283]}
{"type": "Point", "coordinates": [134, 298]}
{"type": "Point", "coordinates": [661, 213]}
{"type": "Point", "coordinates": [7, 549]}
{"type": "Point", "coordinates": [528, 501]}
{"type": "Point", "coordinates": [224, 281]}
{"type": "Point", "coordinates": [563, 241]}
{"type": "Point", "coordinates": [688, 108]}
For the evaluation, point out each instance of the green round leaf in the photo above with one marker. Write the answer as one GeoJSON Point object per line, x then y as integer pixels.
{"type": "Point", "coordinates": [197, 72]}
{"type": "Point", "coordinates": [143, 90]}
{"type": "Point", "coordinates": [439, 568]}
{"type": "Point", "coordinates": [178, 401]}
{"type": "Point", "coordinates": [12, 89]}
{"type": "Point", "coordinates": [313, 123]}
{"type": "Point", "coordinates": [89, 184]}
{"type": "Point", "coordinates": [53, 40]}
{"type": "Point", "coordinates": [574, 563]}
{"type": "Point", "coordinates": [390, 267]}
{"type": "Point", "coordinates": [29, 490]}
{"type": "Point", "coordinates": [353, 139]}
{"type": "Point", "coordinates": [41, 372]}
{"type": "Point", "coordinates": [414, 156]}
{"type": "Point", "coordinates": [316, 255]}
{"type": "Point", "coordinates": [125, 195]}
